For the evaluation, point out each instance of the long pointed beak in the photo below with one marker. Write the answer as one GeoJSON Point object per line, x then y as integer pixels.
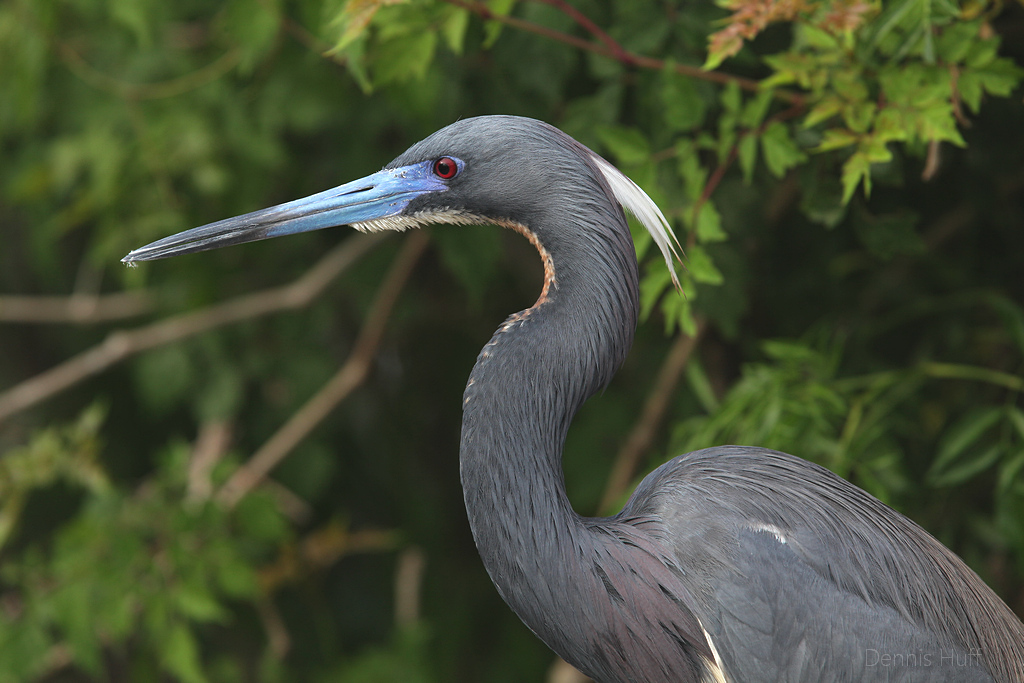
{"type": "Point", "coordinates": [380, 195]}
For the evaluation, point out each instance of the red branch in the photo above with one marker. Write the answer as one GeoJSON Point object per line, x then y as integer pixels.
{"type": "Point", "coordinates": [617, 52]}
{"type": "Point", "coordinates": [620, 53]}
{"type": "Point", "coordinates": [719, 172]}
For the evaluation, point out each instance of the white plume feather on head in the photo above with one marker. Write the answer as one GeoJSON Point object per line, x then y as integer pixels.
{"type": "Point", "coordinates": [636, 201]}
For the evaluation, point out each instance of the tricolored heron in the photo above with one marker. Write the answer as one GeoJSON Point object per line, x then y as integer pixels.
{"type": "Point", "coordinates": [732, 563]}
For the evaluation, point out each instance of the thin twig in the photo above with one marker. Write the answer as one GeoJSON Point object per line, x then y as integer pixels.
{"type": "Point", "coordinates": [124, 344]}
{"type": "Point", "coordinates": [408, 582]}
{"type": "Point", "coordinates": [351, 374]}
{"type": "Point", "coordinates": [79, 309]}
{"type": "Point", "coordinates": [625, 57]}
{"type": "Point", "coordinates": [291, 505]}
{"type": "Point", "coordinates": [655, 407]}
{"type": "Point", "coordinates": [932, 161]}
{"type": "Point", "coordinates": [719, 173]}
{"type": "Point", "coordinates": [278, 638]}
{"type": "Point", "coordinates": [621, 54]}
{"type": "Point", "coordinates": [319, 549]}
{"type": "Point", "coordinates": [211, 445]}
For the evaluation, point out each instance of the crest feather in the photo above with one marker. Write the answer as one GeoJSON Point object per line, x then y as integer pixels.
{"type": "Point", "coordinates": [636, 201]}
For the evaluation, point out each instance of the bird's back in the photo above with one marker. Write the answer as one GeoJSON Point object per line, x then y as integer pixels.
{"type": "Point", "coordinates": [800, 576]}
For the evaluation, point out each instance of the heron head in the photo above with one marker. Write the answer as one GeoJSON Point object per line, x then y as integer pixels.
{"type": "Point", "coordinates": [504, 169]}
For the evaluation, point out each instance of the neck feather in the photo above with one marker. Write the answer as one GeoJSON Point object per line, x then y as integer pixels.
{"type": "Point", "coordinates": [548, 563]}
{"type": "Point", "coordinates": [527, 384]}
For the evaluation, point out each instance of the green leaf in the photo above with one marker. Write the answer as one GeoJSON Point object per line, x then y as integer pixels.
{"type": "Point", "coordinates": [858, 116]}
{"type": "Point", "coordinates": [404, 58]}
{"type": "Point", "coordinates": [701, 386]}
{"type": "Point", "coordinates": [889, 126]}
{"type": "Point", "coordinates": [260, 518]}
{"type": "Point", "coordinates": [654, 283]}
{"type": "Point", "coordinates": [747, 154]}
{"type": "Point", "coordinates": [780, 151]}
{"type": "Point", "coordinates": [197, 603]}
{"type": "Point", "coordinates": [1016, 418]}
{"type": "Point", "coordinates": [253, 27]}
{"type": "Point", "coordinates": [134, 15]}
{"type": "Point", "coordinates": [756, 109]}
{"type": "Point", "coordinates": [628, 145]}
{"type": "Point", "coordinates": [709, 224]}
{"type": "Point", "coordinates": [678, 310]}
{"type": "Point", "coordinates": [875, 150]}
{"type": "Point", "coordinates": [492, 29]}
{"type": "Point", "coordinates": [835, 138]}
{"type": "Point", "coordinates": [958, 457]}
{"type": "Point", "coordinates": [969, 87]}
{"type": "Point", "coordinates": [856, 168]}
{"type": "Point", "coordinates": [180, 655]}
{"type": "Point", "coordinates": [684, 107]}
{"type": "Point", "coordinates": [998, 78]}
{"type": "Point", "coordinates": [701, 267]}
{"type": "Point", "coordinates": [454, 29]}
{"type": "Point", "coordinates": [966, 468]}
{"type": "Point", "coordinates": [353, 20]}
{"type": "Point", "coordinates": [731, 98]}
{"type": "Point", "coordinates": [825, 109]}
{"type": "Point", "coordinates": [222, 393]}
{"type": "Point", "coordinates": [982, 53]}
{"type": "Point", "coordinates": [355, 65]}
{"type": "Point", "coordinates": [694, 175]}
{"type": "Point", "coordinates": [891, 17]}
{"type": "Point", "coordinates": [956, 39]}
{"type": "Point", "coordinates": [938, 123]}
{"type": "Point", "coordinates": [164, 376]}
{"type": "Point", "coordinates": [821, 198]}
{"type": "Point", "coordinates": [1010, 472]}
{"type": "Point", "coordinates": [814, 37]}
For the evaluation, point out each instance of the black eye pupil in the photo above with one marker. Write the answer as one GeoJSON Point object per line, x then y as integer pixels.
{"type": "Point", "coordinates": [445, 168]}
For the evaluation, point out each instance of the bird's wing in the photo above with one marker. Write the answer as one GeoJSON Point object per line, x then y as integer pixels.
{"type": "Point", "coordinates": [777, 618]}
{"type": "Point", "coordinates": [800, 576]}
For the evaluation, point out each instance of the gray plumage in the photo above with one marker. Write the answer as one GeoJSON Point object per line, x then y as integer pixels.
{"type": "Point", "coordinates": [727, 564]}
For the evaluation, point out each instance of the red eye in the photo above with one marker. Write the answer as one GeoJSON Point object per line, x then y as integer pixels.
{"type": "Point", "coordinates": [446, 168]}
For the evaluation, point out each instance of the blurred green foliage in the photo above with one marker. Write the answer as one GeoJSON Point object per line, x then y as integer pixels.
{"type": "Point", "coordinates": [847, 184]}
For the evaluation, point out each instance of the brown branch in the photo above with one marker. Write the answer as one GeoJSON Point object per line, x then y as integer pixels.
{"type": "Point", "coordinates": [291, 505]}
{"type": "Point", "coordinates": [408, 582]}
{"type": "Point", "coordinates": [211, 444]}
{"type": "Point", "coordinates": [321, 548]}
{"type": "Point", "coordinates": [709, 188]}
{"type": "Point", "coordinates": [278, 638]}
{"type": "Point", "coordinates": [655, 407]}
{"type": "Point", "coordinates": [932, 161]}
{"type": "Point", "coordinates": [351, 375]}
{"type": "Point", "coordinates": [124, 344]}
{"type": "Point", "coordinates": [79, 309]}
{"type": "Point", "coordinates": [625, 57]}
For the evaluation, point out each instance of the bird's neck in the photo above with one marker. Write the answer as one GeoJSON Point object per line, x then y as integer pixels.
{"type": "Point", "coordinates": [526, 386]}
